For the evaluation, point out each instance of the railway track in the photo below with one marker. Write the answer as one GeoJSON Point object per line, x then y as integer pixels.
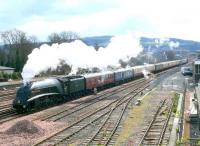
{"type": "Point", "coordinates": [88, 118]}
{"type": "Point", "coordinates": [6, 112]}
{"type": "Point", "coordinates": [66, 136]}
{"type": "Point", "coordinates": [7, 92]}
{"type": "Point", "coordinates": [89, 102]}
{"type": "Point", "coordinates": [8, 115]}
{"type": "Point", "coordinates": [154, 134]}
{"type": "Point", "coordinates": [70, 116]}
{"type": "Point", "coordinates": [103, 135]}
{"type": "Point", "coordinates": [5, 106]}
{"type": "Point", "coordinates": [6, 97]}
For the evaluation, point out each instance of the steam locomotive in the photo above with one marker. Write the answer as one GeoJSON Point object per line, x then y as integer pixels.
{"type": "Point", "coordinates": [57, 90]}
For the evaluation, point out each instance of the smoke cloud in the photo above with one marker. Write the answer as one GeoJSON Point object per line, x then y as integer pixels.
{"type": "Point", "coordinates": [146, 73]}
{"type": "Point", "coordinates": [173, 45]}
{"type": "Point", "coordinates": [166, 41]}
{"type": "Point", "coordinates": [77, 54]}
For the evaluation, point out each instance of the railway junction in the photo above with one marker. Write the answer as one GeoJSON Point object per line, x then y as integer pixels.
{"type": "Point", "coordinates": [158, 110]}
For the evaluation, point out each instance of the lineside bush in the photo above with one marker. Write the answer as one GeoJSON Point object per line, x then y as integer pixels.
{"type": "Point", "coordinates": [175, 102]}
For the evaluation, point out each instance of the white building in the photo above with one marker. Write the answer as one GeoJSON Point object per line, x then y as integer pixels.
{"type": "Point", "coordinates": [7, 70]}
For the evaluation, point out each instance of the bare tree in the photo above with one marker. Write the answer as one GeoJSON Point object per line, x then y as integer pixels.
{"type": "Point", "coordinates": [18, 45]}
{"type": "Point", "coordinates": [54, 38]}
{"type": "Point", "coordinates": [65, 36]}
{"type": "Point", "coordinates": [62, 69]}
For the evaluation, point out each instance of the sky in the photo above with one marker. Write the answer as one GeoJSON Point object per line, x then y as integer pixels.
{"type": "Point", "coordinates": [151, 18]}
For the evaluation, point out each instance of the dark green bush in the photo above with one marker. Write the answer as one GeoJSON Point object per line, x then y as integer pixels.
{"type": "Point", "coordinates": [14, 76]}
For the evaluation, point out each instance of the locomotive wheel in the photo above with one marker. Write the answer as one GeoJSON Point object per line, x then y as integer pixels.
{"type": "Point", "coordinates": [27, 109]}
{"type": "Point", "coordinates": [19, 110]}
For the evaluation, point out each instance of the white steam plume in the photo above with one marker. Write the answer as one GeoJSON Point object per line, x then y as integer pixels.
{"type": "Point", "coordinates": [162, 41]}
{"type": "Point", "coordinates": [173, 45]}
{"type": "Point", "coordinates": [77, 54]}
{"type": "Point", "coordinates": [146, 74]}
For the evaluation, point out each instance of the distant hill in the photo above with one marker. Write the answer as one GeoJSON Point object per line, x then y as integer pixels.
{"type": "Point", "coordinates": [146, 43]}
{"type": "Point", "coordinates": [101, 41]}
{"type": "Point", "coordinates": [188, 45]}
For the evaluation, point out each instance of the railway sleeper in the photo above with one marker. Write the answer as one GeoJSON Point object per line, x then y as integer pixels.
{"type": "Point", "coordinates": [155, 130]}
{"type": "Point", "coordinates": [151, 138]}
{"type": "Point", "coordinates": [153, 134]}
{"type": "Point", "coordinates": [157, 125]}
{"type": "Point", "coordinates": [150, 144]}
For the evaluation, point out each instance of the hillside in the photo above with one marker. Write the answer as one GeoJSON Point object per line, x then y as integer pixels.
{"type": "Point", "coordinates": [101, 41]}
{"type": "Point", "coordinates": [151, 43]}
{"type": "Point", "coordinates": [188, 45]}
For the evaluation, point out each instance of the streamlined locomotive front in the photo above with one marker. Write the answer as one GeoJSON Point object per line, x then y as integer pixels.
{"type": "Point", "coordinates": [20, 102]}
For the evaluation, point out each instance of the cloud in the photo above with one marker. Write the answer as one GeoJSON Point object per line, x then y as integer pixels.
{"type": "Point", "coordinates": [157, 18]}
{"type": "Point", "coordinates": [72, 2]}
{"type": "Point", "coordinates": [94, 24]}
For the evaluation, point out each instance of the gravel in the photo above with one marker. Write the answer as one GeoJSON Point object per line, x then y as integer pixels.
{"type": "Point", "coordinates": [24, 126]}
{"type": "Point", "coordinates": [24, 132]}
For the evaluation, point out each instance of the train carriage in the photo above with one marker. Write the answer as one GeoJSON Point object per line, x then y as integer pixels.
{"type": "Point", "coordinates": [160, 66]}
{"type": "Point", "coordinates": [149, 67]}
{"type": "Point", "coordinates": [118, 76]}
{"type": "Point", "coordinates": [98, 80]}
{"type": "Point", "coordinates": [92, 81]}
{"type": "Point", "coordinates": [183, 61]}
{"type": "Point", "coordinates": [173, 63]}
{"type": "Point", "coordinates": [107, 78]}
{"type": "Point", "coordinates": [122, 75]}
{"type": "Point", "coordinates": [128, 74]}
{"type": "Point", "coordinates": [137, 70]}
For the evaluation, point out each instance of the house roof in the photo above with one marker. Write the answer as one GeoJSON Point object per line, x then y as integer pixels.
{"type": "Point", "coordinates": [6, 68]}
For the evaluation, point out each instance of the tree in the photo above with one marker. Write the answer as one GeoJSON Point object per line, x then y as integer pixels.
{"type": "Point", "coordinates": [3, 58]}
{"type": "Point", "coordinates": [170, 55]}
{"type": "Point", "coordinates": [69, 36]}
{"type": "Point", "coordinates": [62, 69]}
{"type": "Point", "coordinates": [54, 38]}
{"type": "Point", "coordinates": [17, 46]}
{"type": "Point", "coordinates": [96, 46]}
{"type": "Point", "coordinates": [133, 61]}
{"type": "Point", "coordinates": [65, 36]}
